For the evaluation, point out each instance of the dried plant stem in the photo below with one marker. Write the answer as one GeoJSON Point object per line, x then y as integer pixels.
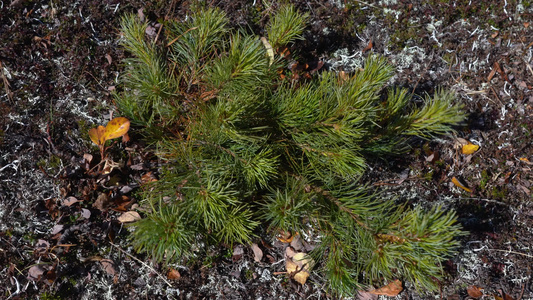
{"type": "Point", "coordinates": [143, 263]}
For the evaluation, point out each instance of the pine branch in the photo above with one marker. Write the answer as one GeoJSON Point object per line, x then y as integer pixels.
{"type": "Point", "coordinates": [250, 150]}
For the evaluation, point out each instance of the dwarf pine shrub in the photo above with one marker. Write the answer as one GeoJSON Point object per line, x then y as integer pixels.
{"type": "Point", "coordinates": [245, 149]}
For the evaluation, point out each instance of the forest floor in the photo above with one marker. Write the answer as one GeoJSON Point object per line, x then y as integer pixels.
{"type": "Point", "coordinates": [59, 64]}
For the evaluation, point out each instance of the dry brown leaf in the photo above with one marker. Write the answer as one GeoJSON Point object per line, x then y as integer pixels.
{"type": "Point", "coordinates": [289, 252]}
{"type": "Point", "coordinates": [296, 243]}
{"type": "Point", "coordinates": [129, 216]}
{"type": "Point", "coordinates": [460, 142]}
{"type": "Point", "coordinates": [102, 202]}
{"type": "Point", "coordinates": [108, 266]}
{"type": "Point", "coordinates": [69, 201]}
{"type": "Point", "coordinates": [392, 289]}
{"type": "Point", "coordinates": [362, 295]}
{"type": "Point", "coordinates": [85, 213]}
{"type": "Point", "coordinates": [474, 291]}
{"type": "Point", "coordinates": [122, 202]}
{"type": "Point", "coordinates": [88, 157]}
{"type": "Point", "coordinates": [125, 138]}
{"type": "Point", "coordinates": [173, 274]}
{"type": "Point", "coordinates": [57, 229]}
{"type": "Point", "coordinates": [297, 273]}
{"type": "Point", "coordinates": [459, 184]}
{"type": "Point", "coordinates": [258, 253]}
{"type": "Point", "coordinates": [505, 296]}
{"type": "Point", "coordinates": [238, 251]}
{"type": "Point", "coordinates": [491, 74]}
{"type": "Point", "coordinates": [35, 272]}
{"type": "Point", "coordinates": [148, 177]}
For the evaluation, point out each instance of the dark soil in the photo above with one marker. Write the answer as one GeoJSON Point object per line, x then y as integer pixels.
{"type": "Point", "coordinates": [60, 60]}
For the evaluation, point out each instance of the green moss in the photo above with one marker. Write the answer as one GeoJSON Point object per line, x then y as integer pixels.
{"type": "Point", "coordinates": [49, 296]}
{"type": "Point", "coordinates": [249, 274]}
{"type": "Point", "coordinates": [499, 193]}
{"type": "Point", "coordinates": [53, 164]}
{"type": "Point", "coordinates": [450, 58]}
{"type": "Point", "coordinates": [484, 179]}
{"type": "Point", "coordinates": [83, 128]}
{"type": "Point", "coordinates": [440, 163]}
{"type": "Point", "coordinates": [429, 175]}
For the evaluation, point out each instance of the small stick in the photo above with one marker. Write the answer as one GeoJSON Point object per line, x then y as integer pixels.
{"type": "Point", "coordinates": [177, 38]}
{"type": "Point", "coordinates": [496, 94]}
{"type": "Point", "coordinates": [511, 252]}
{"type": "Point", "coordinates": [527, 65]}
{"type": "Point", "coordinates": [6, 83]}
{"type": "Point", "coordinates": [143, 263]}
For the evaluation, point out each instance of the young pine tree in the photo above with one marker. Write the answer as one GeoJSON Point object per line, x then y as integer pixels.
{"type": "Point", "coordinates": [245, 149]}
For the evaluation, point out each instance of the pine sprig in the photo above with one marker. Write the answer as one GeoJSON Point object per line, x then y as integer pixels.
{"type": "Point", "coordinates": [286, 26]}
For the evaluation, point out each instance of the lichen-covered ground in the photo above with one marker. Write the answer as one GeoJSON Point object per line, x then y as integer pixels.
{"type": "Point", "coordinates": [60, 60]}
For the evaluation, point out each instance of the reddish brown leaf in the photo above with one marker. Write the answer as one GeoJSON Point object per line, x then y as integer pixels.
{"type": "Point", "coordinates": [173, 274]}
{"type": "Point", "coordinates": [368, 47]}
{"type": "Point", "coordinates": [122, 203]}
{"type": "Point", "coordinates": [392, 289]}
{"type": "Point", "coordinates": [499, 70]}
{"type": "Point", "coordinates": [474, 291]}
{"type": "Point", "coordinates": [491, 75]}
{"type": "Point", "coordinates": [108, 266]}
{"type": "Point", "coordinates": [51, 205]}
{"type": "Point", "coordinates": [148, 177]}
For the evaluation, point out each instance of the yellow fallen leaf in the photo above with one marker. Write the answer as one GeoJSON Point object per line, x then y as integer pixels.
{"type": "Point", "coordinates": [298, 267]}
{"type": "Point", "coordinates": [458, 183]}
{"type": "Point", "coordinates": [97, 135]}
{"type": "Point", "coordinates": [286, 237]}
{"type": "Point", "coordinates": [116, 128]}
{"type": "Point", "coordinates": [391, 290]}
{"type": "Point", "coordinates": [469, 148]}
